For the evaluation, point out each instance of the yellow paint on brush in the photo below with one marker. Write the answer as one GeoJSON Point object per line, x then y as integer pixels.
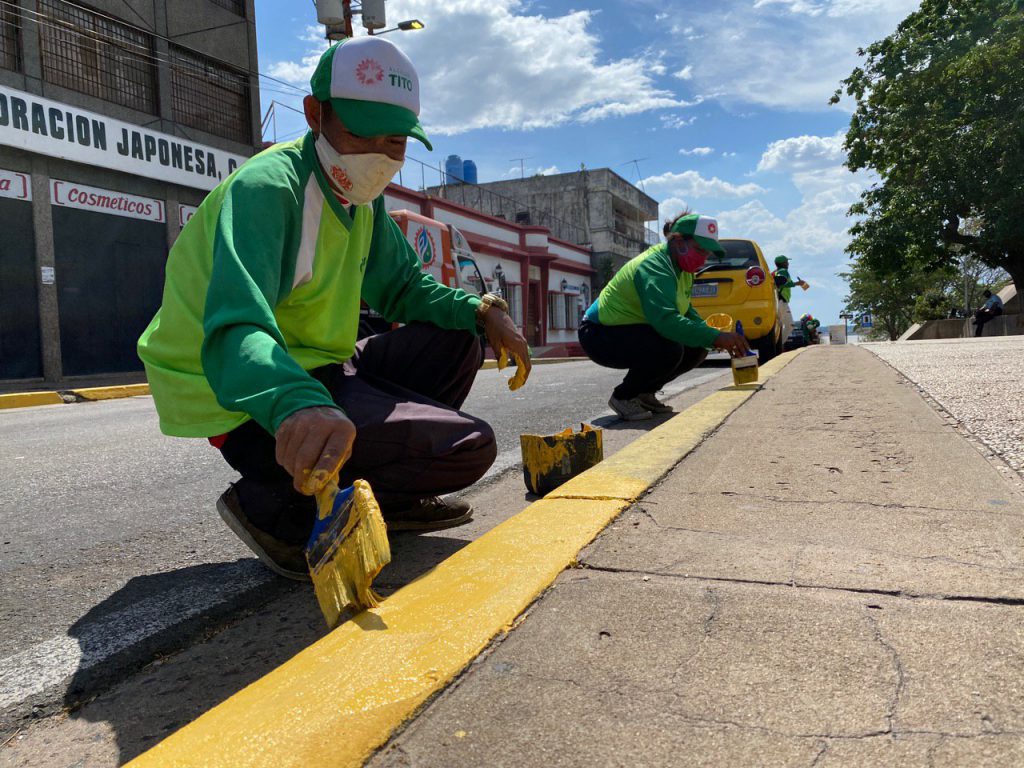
{"type": "Point", "coordinates": [29, 399]}
{"type": "Point", "coordinates": [343, 576]}
{"type": "Point", "coordinates": [744, 370]}
{"type": "Point", "coordinates": [338, 700]}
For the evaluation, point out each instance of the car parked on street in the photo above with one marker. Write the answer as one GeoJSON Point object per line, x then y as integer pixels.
{"type": "Point", "coordinates": [738, 283]}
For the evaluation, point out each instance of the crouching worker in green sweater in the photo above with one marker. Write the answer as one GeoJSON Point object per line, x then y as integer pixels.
{"type": "Point", "coordinates": [643, 320]}
{"type": "Point", "coordinates": [254, 346]}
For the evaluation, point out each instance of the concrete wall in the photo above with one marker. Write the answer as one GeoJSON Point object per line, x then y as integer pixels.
{"type": "Point", "coordinates": [958, 328]}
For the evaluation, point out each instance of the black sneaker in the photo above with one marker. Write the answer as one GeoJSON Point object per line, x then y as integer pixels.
{"type": "Point", "coordinates": [430, 514]}
{"type": "Point", "coordinates": [288, 560]}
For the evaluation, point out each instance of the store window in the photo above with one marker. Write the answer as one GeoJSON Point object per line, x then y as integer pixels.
{"type": "Point", "coordinates": [94, 54]}
{"type": "Point", "coordinates": [10, 38]}
{"type": "Point", "coordinates": [210, 96]}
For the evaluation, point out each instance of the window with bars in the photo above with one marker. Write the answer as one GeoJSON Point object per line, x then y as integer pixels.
{"type": "Point", "coordinates": [235, 6]}
{"type": "Point", "coordinates": [210, 96]}
{"type": "Point", "coordinates": [556, 311]}
{"type": "Point", "coordinates": [563, 311]}
{"type": "Point", "coordinates": [93, 54]}
{"type": "Point", "coordinates": [10, 48]}
{"type": "Point", "coordinates": [513, 294]}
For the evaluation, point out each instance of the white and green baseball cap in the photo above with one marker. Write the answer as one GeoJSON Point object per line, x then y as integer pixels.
{"type": "Point", "coordinates": [703, 229]}
{"type": "Point", "coordinates": [372, 87]}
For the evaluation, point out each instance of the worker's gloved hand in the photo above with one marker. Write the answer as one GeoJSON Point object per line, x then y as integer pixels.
{"type": "Point", "coordinates": [312, 444]}
{"type": "Point", "coordinates": [505, 340]}
{"type": "Point", "coordinates": [733, 343]}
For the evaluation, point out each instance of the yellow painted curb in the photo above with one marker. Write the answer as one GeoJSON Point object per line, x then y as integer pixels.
{"type": "Point", "coordinates": [29, 399]}
{"type": "Point", "coordinates": [110, 393]}
{"type": "Point", "coordinates": [341, 698]}
{"type": "Point", "coordinates": [338, 700]}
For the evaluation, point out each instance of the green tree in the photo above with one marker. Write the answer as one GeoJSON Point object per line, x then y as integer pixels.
{"type": "Point", "coordinates": [939, 116]}
{"type": "Point", "coordinates": [888, 297]}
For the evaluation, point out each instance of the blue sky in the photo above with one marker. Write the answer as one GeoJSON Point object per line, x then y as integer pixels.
{"type": "Point", "coordinates": [723, 106]}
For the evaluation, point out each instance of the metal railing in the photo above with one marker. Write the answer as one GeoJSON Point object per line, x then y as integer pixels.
{"type": "Point", "coordinates": [94, 54]}
{"type": "Point", "coordinates": [209, 96]}
{"type": "Point", "coordinates": [10, 33]}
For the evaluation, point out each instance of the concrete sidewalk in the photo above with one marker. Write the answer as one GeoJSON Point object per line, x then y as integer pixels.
{"type": "Point", "coordinates": [834, 577]}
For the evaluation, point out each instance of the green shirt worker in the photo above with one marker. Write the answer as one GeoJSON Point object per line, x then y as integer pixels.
{"type": "Point", "coordinates": [784, 284]}
{"type": "Point", "coordinates": [643, 320]}
{"type": "Point", "coordinates": [255, 344]}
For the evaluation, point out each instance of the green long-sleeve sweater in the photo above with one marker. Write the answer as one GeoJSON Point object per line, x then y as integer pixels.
{"type": "Point", "coordinates": [650, 289]}
{"type": "Point", "coordinates": [264, 284]}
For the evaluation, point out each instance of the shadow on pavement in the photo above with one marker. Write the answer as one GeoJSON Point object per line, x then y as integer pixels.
{"type": "Point", "coordinates": [142, 628]}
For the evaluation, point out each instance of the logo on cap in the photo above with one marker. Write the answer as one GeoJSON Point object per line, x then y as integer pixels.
{"type": "Point", "coordinates": [712, 227]}
{"type": "Point", "coordinates": [369, 72]}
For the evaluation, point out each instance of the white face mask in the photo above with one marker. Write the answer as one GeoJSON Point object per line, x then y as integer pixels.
{"type": "Point", "coordinates": [357, 178]}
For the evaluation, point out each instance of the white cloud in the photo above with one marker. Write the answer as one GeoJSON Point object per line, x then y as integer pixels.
{"type": "Point", "coordinates": [690, 185]}
{"type": "Point", "coordinates": [677, 121]}
{"type": "Point", "coordinates": [814, 233]}
{"type": "Point", "coordinates": [492, 64]}
{"type": "Point", "coordinates": [728, 154]}
{"type": "Point", "coordinates": [803, 153]}
{"type": "Point", "coordinates": [700, 151]}
{"type": "Point", "coordinates": [685, 73]}
{"type": "Point", "coordinates": [787, 54]}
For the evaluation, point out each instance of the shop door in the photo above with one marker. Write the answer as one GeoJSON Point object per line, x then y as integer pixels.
{"type": "Point", "coordinates": [534, 317]}
{"type": "Point", "coordinates": [110, 276]}
{"type": "Point", "coordinates": [20, 346]}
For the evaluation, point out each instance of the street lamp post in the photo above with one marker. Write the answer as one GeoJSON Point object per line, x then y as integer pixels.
{"type": "Point", "coordinates": [336, 16]}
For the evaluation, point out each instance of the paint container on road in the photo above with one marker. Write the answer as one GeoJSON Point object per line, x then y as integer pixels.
{"type": "Point", "coordinates": [550, 460]}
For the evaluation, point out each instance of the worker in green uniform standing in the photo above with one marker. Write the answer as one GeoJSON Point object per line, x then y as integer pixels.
{"type": "Point", "coordinates": [255, 344]}
{"type": "Point", "coordinates": [643, 320]}
{"type": "Point", "coordinates": [784, 284]}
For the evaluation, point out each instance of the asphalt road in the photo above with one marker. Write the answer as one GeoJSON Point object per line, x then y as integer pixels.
{"type": "Point", "coordinates": [111, 550]}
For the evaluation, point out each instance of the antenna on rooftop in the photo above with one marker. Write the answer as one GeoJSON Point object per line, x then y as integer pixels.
{"type": "Point", "coordinates": [636, 164]}
{"type": "Point", "coordinates": [522, 171]}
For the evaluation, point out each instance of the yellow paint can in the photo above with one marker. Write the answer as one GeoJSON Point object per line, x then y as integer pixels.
{"type": "Point", "coordinates": [550, 460]}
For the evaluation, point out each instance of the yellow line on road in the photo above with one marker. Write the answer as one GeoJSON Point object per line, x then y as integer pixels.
{"type": "Point", "coordinates": [29, 399]}
{"type": "Point", "coordinates": [341, 698]}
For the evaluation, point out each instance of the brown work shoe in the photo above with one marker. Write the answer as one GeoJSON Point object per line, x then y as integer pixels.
{"type": "Point", "coordinates": [284, 559]}
{"type": "Point", "coordinates": [430, 514]}
{"type": "Point", "coordinates": [653, 404]}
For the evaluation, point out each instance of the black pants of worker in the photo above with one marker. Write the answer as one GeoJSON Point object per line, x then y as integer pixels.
{"type": "Point", "coordinates": [982, 316]}
{"type": "Point", "coordinates": [651, 360]}
{"type": "Point", "coordinates": [402, 390]}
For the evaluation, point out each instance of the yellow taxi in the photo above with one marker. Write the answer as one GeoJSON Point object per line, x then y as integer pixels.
{"type": "Point", "coordinates": [739, 283]}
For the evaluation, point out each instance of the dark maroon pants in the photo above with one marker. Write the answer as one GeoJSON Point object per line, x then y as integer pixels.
{"type": "Point", "coordinates": [651, 361]}
{"type": "Point", "coordinates": [402, 390]}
